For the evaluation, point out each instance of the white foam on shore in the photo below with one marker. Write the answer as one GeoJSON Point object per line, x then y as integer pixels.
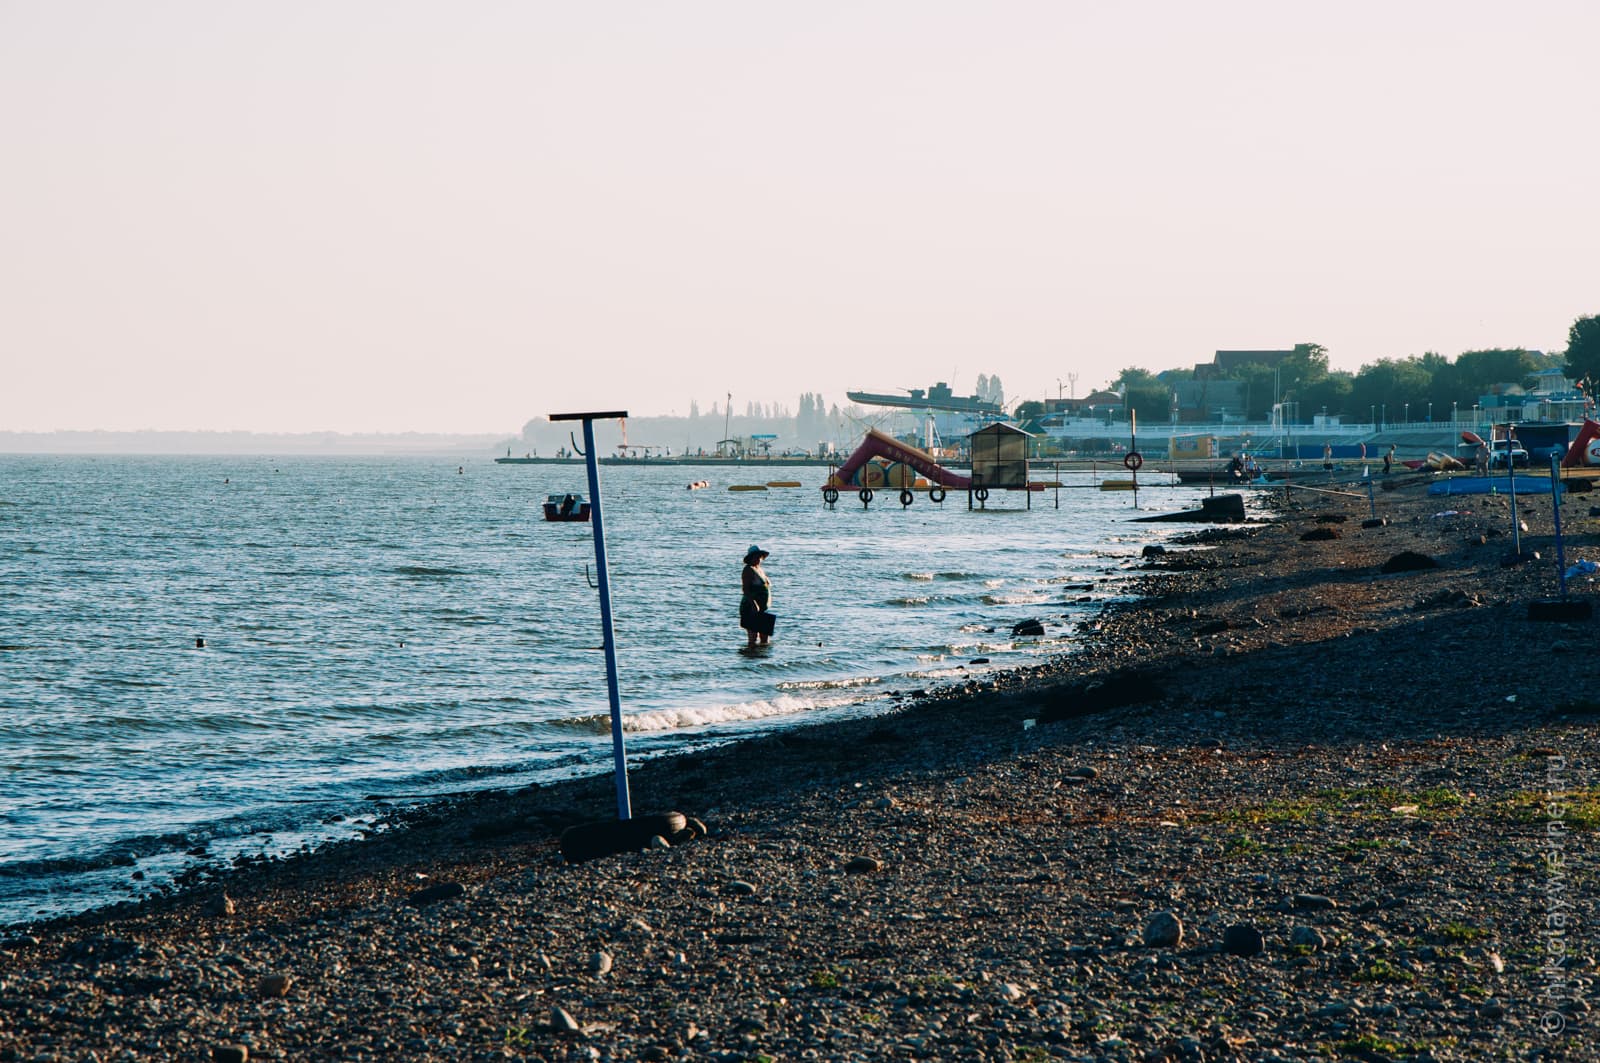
{"type": "Point", "coordinates": [830, 684]}
{"type": "Point", "coordinates": [941, 673]}
{"type": "Point", "coordinates": [707, 715]}
{"type": "Point", "coordinates": [1019, 598]}
{"type": "Point", "coordinates": [957, 649]}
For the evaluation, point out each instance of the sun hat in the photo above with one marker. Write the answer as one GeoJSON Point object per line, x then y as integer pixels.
{"type": "Point", "coordinates": [753, 551]}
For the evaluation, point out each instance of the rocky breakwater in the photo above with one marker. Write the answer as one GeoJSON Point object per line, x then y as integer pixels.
{"type": "Point", "coordinates": [1264, 815]}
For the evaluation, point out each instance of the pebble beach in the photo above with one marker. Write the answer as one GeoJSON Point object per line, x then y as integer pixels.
{"type": "Point", "coordinates": [1299, 801]}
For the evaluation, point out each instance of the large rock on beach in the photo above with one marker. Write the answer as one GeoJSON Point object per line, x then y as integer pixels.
{"type": "Point", "coordinates": [1113, 692]}
{"type": "Point", "coordinates": [274, 985]}
{"type": "Point", "coordinates": [1242, 939]}
{"type": "Point", "coordinates": [1408, 561]}
{"type": "Point", "coordinates": [1163, 931]}
{"type": "Point", "coordinates": [444, 891]}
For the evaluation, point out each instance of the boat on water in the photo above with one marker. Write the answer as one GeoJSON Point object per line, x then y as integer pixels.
{"type": "Point", "coordinates": [570, 506]}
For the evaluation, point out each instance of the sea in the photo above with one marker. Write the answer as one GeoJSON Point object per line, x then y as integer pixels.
{"type": "Point", "coordinates": [382, 631]}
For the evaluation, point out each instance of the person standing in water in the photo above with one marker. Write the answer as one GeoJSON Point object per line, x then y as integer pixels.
{"type": "Point", "coordinates": [757, 597]}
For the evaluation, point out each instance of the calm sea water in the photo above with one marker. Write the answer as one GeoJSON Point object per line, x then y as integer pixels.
{"type": "Point", "coordinates": [385, 628]}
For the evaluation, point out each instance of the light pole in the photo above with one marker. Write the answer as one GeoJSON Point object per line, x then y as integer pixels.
{"type": "Point", "coordinates": [1407, 419]}
{"type": "Point", "coordinates": [1383, 414]}
{"type": "Point", "coordinates": [1430, 413]}
{"type": "Point", "coordinates": [1453, 406]}
{"type": "Point", "coordinates": [1372, 415]}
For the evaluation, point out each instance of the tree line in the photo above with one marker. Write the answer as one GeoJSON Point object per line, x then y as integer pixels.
{"type": "Point", "coordinates": [1416, 387]}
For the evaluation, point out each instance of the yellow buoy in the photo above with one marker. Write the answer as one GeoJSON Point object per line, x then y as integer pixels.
{"type": "Point", "coordinates": [783, 483]}
{"type": "Point", "coordinates": [1116, 485]}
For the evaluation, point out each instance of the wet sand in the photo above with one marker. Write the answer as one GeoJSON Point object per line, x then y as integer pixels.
{"type": "Point", "coordinates": [1285, 806]}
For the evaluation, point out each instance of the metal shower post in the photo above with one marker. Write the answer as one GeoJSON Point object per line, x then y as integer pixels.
{"type": "Point", "coordinates": [618, 753]}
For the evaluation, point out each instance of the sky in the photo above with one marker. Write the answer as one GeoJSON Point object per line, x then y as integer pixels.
{"type": "Point", "coordinates": [412, 215]}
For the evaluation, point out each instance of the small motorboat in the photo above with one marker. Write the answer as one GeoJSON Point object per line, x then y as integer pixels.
{"type": "Point", "coordinates": [566, 507]}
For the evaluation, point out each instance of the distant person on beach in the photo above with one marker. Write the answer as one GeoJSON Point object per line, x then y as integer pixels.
{"type": "Point", "coordinates": [757, 596]}
{"type": "Point", "coordinates": [1483, 459]}
{"type": "Point", "coordinates": [1327, 456]}
{"type": "Point", "coordinates": [1236, 468]}
{"type": "Point", "coordinates": [1388, 459]}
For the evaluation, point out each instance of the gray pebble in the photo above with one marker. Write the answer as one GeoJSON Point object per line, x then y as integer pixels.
{"type": "Point", "coordinates": [1314, 901]}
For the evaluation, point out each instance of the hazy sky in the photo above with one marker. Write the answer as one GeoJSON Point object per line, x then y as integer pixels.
{"type": "Point", "coordinates": [412, 215]}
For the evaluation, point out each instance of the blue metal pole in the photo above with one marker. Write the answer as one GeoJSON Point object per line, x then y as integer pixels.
{"type": "Point", "coordinates": [1555, 509]}
{"type": "Point", "coordinates": [618, 752]}
{"type": "Point", "coordinates": [1511, 485]}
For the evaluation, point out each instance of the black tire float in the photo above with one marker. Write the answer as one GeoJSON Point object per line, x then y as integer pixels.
{"type": "Point", "coordinates": [935, 494]}
{"type": "Point", "coordinates": [586, 841]}
{"type": "Point", "coordinates": [981, 494]}
{"type": "Point", "coordinates": [906, 497]}
{"type": "Point", "coordinates": [865, 494]}
{"type": "Point", "coordinates": [1132, 460]}
{"type": "Point", "coordinates": [830, 495]}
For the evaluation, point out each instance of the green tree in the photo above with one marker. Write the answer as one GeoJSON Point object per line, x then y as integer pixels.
{"type": "Point", "coordinates": [1383, 389]}
{"type": "Point", "coordinates": [1583, 353]}
{"type": "Point", "coordinates": [1330, 395]}
{"type": "Point", "coordinates": [1029, 410]}
{"type": "Point", "coordinates": [1145, 394]}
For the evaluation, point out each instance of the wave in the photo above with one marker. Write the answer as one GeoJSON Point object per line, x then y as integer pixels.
{"type": "Point", "coordinates": [1019, 598]}
{"type": "Point", "coordinates": [830, 684]}
{"type": "Point", "coordinates": [659, 720]}
{"type": "Point", "coordinates": [940, 673]}
{"type": "Point", "coordinates": [425, 572]}
{"type": "Point", "coordinates": [908, 600]}
{"type": "Point", "coordinates": [917, 575]}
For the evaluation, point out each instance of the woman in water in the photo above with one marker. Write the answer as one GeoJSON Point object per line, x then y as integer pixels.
{"type": "Point", "coordinates": [757, 596]}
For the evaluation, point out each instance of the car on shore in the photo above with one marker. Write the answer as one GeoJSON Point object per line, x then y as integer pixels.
{"type": "Point", "coordinates": [1517, 456]}
{"type": "Point", "coordinates": [1467, 454]}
